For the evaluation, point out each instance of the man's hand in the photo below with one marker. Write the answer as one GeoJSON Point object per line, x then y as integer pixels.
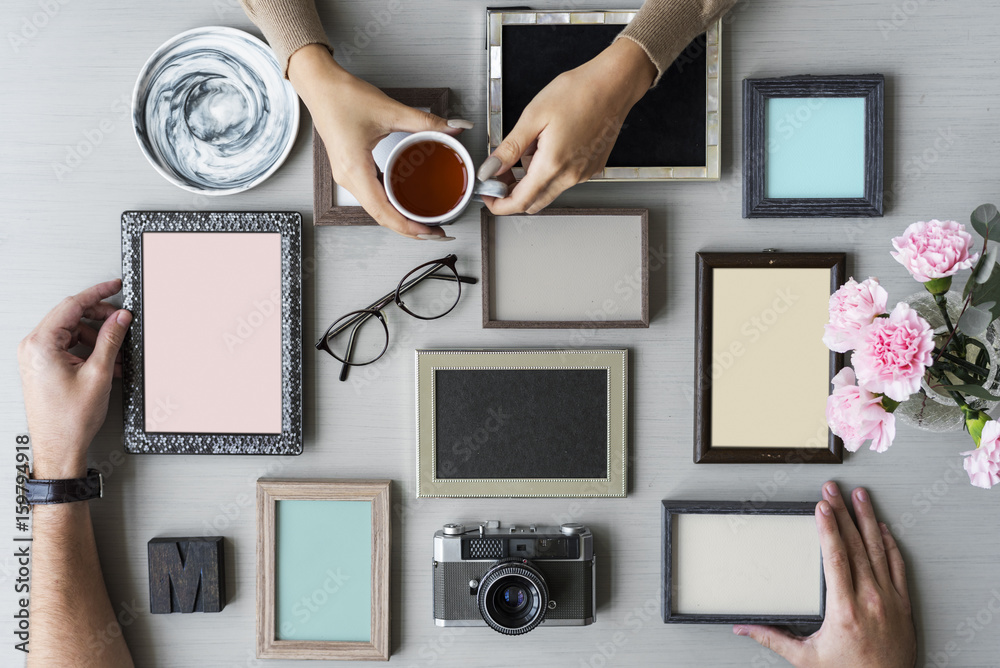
{"type": "Point", "coordinates": [565, 134]}
{"type": "Point", "coordinates": [868, 621]}
{"type": "Point", "coordinates": [65, 394]}
{"type": "Point", "coordinates": [352, 116]}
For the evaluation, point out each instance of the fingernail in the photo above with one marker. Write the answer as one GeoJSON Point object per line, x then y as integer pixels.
{"type": "Point", "coordinates": [831, 489]}
{"type": "Point", "coordinates": [123, 317]}
{"type": "Point", "coordinates": [861, 494]}
{"type": "Point", "coordinates": [741, 630]}
{"type": "Point", "coordinates": [434, 237]}
{"type": "Point", "coordinates": [489, 168]}
{"type": "Point", "coordinates": [884, 528]}
{"type": "Point", "coordinates": [460, 123]}
{"type": "Point", "coordinates": [825, 508]}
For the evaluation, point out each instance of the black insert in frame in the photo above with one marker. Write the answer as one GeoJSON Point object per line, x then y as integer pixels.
{"type": "Point", "coordinates": [521, 423]}
{"type": "Point", "coordinates": [665, 128]}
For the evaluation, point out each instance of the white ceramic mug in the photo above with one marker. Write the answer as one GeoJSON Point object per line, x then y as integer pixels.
{"type": "Point", "coordinates": [388, 150]}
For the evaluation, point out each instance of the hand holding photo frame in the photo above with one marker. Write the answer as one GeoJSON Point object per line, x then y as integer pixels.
{"type": "Point", "coordinates": [727, 562]}
{"type": "Point", "coordinates": [671, 134]}
{"type": "Point", "coordinates": [212, 363]}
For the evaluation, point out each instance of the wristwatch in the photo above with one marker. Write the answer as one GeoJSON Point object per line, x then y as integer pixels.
{"type": "Point", "coordinates": [43, 492]}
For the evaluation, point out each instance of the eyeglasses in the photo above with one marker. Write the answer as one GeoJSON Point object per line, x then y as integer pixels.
{"type": "Point", "coordinates": [362, 337]}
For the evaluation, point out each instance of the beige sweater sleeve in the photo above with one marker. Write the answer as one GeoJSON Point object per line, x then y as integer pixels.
{"type": "Point", "coordinates": [664, 28]}
{"type": "Point", "coordinates": [288, 25]}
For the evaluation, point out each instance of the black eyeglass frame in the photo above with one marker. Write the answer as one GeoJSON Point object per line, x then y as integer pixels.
{"type": "Point", "coordinates": [355, 319]}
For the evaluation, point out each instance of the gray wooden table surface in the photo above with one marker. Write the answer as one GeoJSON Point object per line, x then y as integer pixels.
{"type": "Point", "coordinates": [69, 166]}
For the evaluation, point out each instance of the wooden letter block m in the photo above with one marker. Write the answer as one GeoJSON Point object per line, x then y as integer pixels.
{"type": "Point", "coordinates": [186, 575]}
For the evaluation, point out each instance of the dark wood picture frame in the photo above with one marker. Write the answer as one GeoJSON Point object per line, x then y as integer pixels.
{"type": "Point", "coordinates": [704, 451]}
{"type": "Point", "coordinates": [325, 208]}
{"type": "Point", "coordinates": [756, 93]}
{"type": "Point", "coordinates": [139, 441]}
{"type": "Point", "coordinates": [671, 508]}
{"type": "Point", "coordinates": [488, 220]}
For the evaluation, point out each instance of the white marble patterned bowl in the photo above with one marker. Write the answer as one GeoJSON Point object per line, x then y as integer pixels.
{"type": "Point", "coordinates": [212, 111]}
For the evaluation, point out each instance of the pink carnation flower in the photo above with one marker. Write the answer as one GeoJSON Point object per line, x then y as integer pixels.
{"type": "Point", "coordinates": [856, 415]}
{"type": "Point", "coordinates": [934, 249]}
{"type": "Point", "coordinates": [983, 463]}
{"type": "Point", "coordinates": [893, 353]}
{"type": "Point", "coordinates": [853, 307]}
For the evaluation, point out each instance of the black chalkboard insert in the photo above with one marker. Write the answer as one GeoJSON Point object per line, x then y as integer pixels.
{"type": "Point", "coordinates": [666, 128]}
{"type": "Point", "coordinates": [521, 423]}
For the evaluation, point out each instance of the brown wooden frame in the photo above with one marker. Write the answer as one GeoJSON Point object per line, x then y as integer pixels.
{"type": "Point", "coordinates": [269, 492]}
{"type": "Point", "coordinates": [704, 452]}
{"type": "Point", "coordinates": [325, 209]}
{"type": "Point", "coordinates": [486, 227]}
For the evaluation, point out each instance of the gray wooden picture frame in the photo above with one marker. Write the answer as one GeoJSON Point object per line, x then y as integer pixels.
{"type": "Point", "coordinates": [756, 93]}
{"type": "Point", "coordinates": [671, 508]}
{"type": "Point", "coordinates": [615, 362]}
{"type": "Point", "coordinates": [488, 221]}
{"type": "Point", "coordinates": [326, 211]}
{"type": "Point", "coordinates": [136, 439]}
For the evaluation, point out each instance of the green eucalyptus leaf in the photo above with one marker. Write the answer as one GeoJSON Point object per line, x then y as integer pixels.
{"type": "Point", "coordinates": [975, 320]}
{"type": "Point", "coordinates": [986, 264]}
{"type": "Point", "coordinates": [972, 390]}
{"type": "Point", "coordinates": [988, 292]}
{"type": "Point", "coordinates": [985, 221]}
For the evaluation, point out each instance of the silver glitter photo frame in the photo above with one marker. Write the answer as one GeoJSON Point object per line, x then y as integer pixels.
{"type": "Point", "coordinates": [673, 137]}
{"type": "Point", "coordinates": [522, 423]}
{"type": "Point", "coordinates": [281, 227]}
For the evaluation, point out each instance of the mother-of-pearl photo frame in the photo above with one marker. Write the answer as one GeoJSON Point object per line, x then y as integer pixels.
{"type": "Point", "coordinates": [323, 552]}
{"type": "Point", "coordinates": [212, 362]}
{"type": "Point", "coordinates": [727, 562]}
{"type": "Point", "coordinates": [762, 371]}
{"type": "Point", "coordinates": [672, 134]}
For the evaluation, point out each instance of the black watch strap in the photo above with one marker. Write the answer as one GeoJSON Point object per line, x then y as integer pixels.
{"type": "Point", "coordinates": [42, 492]}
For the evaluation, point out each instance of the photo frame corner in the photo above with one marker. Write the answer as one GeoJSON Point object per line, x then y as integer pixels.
{"type": "Point", "coordinates": [326, 211]}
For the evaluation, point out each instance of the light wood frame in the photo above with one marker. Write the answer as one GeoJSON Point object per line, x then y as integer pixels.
{"type": "Point", "coordinates": [704, 451]}
{"type": "Point", "coordinates": [325, 209]}
{"type": "Point", "coordinates": [496, 18]}
{"type": "Point", "coordinates": [487, 227]}
{"type": "Point", "coordinates": [269, 492]}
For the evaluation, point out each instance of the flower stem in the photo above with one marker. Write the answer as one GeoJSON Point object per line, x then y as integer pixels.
{"type": "Point", "coordinates": [965, 364]}
{"type": "Point", "coordinates": [942, 305]}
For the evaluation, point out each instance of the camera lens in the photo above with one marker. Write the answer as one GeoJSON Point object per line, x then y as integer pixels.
{"type": "Point", "coordinates": [513, 597]}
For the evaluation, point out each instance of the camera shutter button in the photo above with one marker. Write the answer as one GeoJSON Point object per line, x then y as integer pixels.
{"type": "Point", "coordinates": [572, 528]}
{"type": "Point", "coordinates": [453, 529]}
